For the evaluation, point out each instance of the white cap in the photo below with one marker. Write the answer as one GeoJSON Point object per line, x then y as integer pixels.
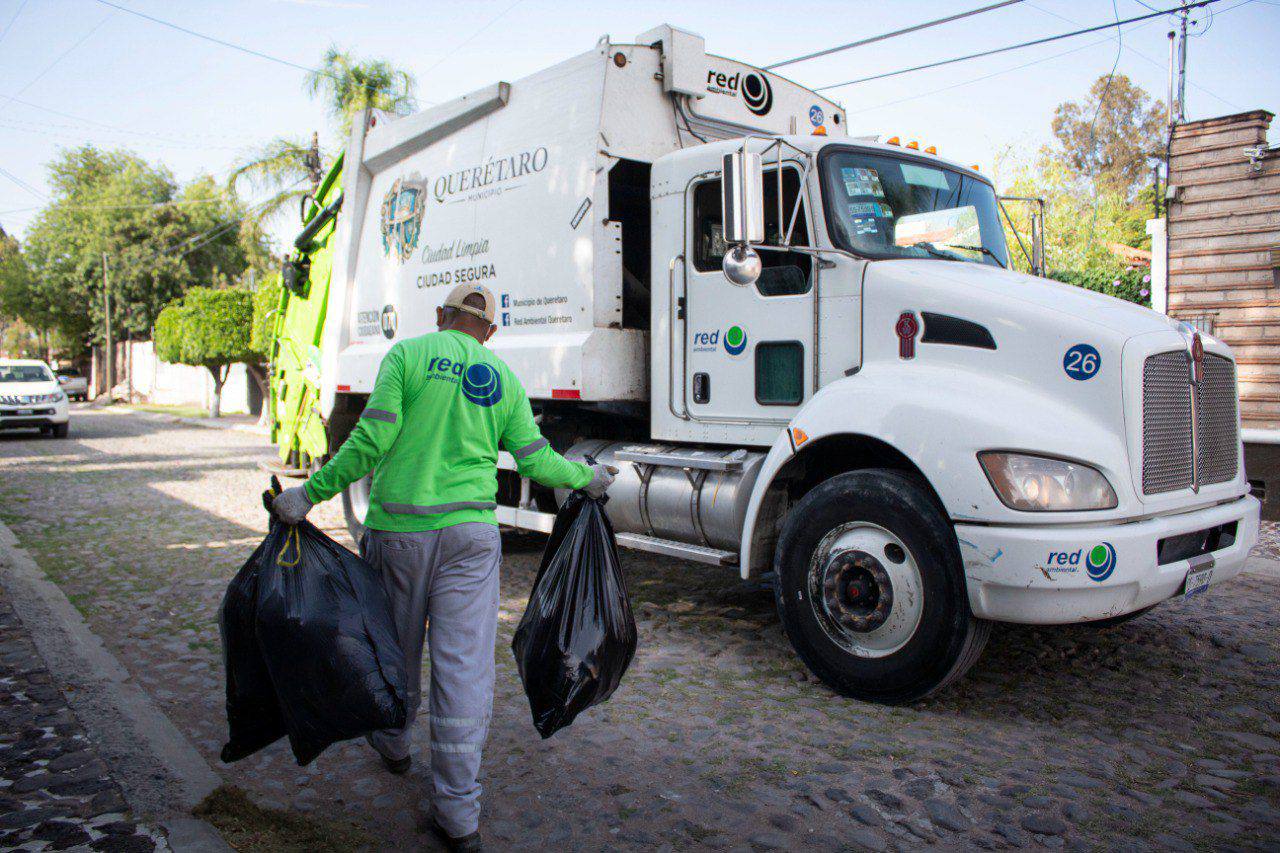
{"type": "Point", "coordinates": [456, 298]}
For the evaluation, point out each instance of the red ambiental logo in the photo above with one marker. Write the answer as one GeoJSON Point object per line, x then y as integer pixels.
{"type": "Point", "coordinates": [1197, 359]}
{"type": "Point", "coordinates": [907, 327]}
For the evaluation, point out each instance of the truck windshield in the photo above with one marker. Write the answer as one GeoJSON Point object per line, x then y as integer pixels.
{"type": "Point", "coordinates": [882, 206]}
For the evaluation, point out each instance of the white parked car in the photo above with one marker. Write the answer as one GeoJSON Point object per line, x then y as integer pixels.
{"type": "Point", "coordinates": [74, 383]}
{"type": "Point", "coordinates": [30, 398]}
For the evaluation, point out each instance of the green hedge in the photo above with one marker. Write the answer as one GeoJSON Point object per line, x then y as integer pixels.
{"type": "Point", "coordinates": [1131, 285]}
{"type": "Point", "coordinates": [266, 302]}
{"type": "Point", "coordinates": [207, 328]}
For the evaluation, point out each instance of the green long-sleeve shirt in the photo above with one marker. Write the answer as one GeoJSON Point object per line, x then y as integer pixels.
{"type": "Point", "coordinates": [430, 433]}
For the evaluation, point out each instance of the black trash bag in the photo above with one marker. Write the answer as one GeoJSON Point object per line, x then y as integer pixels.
{"type": "Point", "coordinates": [253, 714]}
{"type": "Point", "coordinates": [577, 635]}
{"type": "Point", "coordinates": [324, 634]}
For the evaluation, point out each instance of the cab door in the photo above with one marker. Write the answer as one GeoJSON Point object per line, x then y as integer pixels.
{"type": "Point", "coordinates": [748, 350]}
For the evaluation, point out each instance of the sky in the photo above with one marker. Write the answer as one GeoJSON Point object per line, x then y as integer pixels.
{"type": "Point", "coordinates": [80, 71]}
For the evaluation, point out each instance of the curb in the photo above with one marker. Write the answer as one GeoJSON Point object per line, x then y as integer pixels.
{"type": "Point", "coordinates": [162, 775]}
{"type": "Point", "coordinates": [1262, 566]}
{"type": "Point", "coordinates": [207, 423]}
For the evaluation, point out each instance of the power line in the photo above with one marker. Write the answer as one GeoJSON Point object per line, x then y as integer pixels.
{"type": "Point", "coordinates": [51, 65]}
{"type": "Point", "coordinates": [117, 128]}
{"type": "Point", "coordinates": [1150, 61]}
{"type": "Point", "coordinates": [999, 73]}
{"type": "Point", "coordinates": [213, 39]}
{"type": "Point", "coordinates": [133, 206]}
{"type": "Point", "coordinates": [914, 28]}
{"type": "Point", "coordinates": [1007, 48]}
{"type": "Point", "coordinates": [26, 186]}
{"type": "Point", "coordinates": [9, 25]}
{"type": "Point", "coordinates": [217, 232]}
{"type": "Point", "coordinates": [1093, 125]}
{"type": "Point", "coordinates": [224, 43]}
{"type": "Point", "coordinates": [471, 37]}
{"type": "Point", "coordinates": [79, 134]}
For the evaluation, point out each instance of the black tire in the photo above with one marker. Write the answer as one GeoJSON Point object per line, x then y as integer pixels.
{"type": "Point", "coordinates": [60, 430]}
{"type": "Point", "coordinates": [947, 639]}
{"type": "Point", "coordinates": [355, 503]}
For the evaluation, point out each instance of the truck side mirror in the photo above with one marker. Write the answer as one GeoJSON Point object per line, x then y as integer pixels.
{"type": "Point", "coordinates": [742, 212]}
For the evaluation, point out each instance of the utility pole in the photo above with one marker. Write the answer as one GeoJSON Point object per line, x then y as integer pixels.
{"type": "Point", "coordinates": [106, 318]}
{"type": "Point", "coordinates": [1182, 66]}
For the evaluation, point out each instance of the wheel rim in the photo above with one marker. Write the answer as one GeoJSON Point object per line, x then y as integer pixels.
{"type": "Point", "coordinates": [865, 589]}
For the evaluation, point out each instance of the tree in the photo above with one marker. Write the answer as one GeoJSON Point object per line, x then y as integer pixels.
{"type": "Point", "coordinates": [349, 85]}
{"type": "Point", "coordinates": [282, 166]}
{"type": "Point", "coordinates": [158, 239]}
{"type": "Point", "coordinates": [266, 304]}
{"type": "Point", "coordinates": [1117, 147]}
{"type": "Point", "coordinates": [266, 308]}
{"type": "Point", "coordinates": [18, 340]}
{"type": "Point", "coordinates": [24, 321]}
{"type": "Point", "coordinates": [207, 328]}
{"type": "Point", "coordinates": [1079, 225]}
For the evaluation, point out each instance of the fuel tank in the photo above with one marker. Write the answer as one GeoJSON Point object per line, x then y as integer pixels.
{"type": "Point", "coordinates": [693, 495]}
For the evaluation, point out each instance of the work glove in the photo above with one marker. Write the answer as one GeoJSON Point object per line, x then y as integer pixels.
{"type": "Point", "coordinates": [602, 477]}
{"type": "Point", "coordinates": [292, 505]}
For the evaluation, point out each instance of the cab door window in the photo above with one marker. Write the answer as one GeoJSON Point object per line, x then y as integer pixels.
{"type": "Point", "coordinates": [782, 273]}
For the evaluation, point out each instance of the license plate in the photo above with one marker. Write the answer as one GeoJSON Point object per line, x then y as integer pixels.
{"type": "Point", "coordinates": [22, 412]}
{"type": "Point", "coordinates": [1198, 581]}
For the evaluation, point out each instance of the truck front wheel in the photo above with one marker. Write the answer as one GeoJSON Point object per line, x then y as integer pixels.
{"type": "Point", "coordinates": [871, 590]}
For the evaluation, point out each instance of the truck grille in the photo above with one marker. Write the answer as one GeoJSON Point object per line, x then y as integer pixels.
{"type": "Point", "coordinates": [1217, 424]}
{"type": "Point", "coordinates": [1167, 463]}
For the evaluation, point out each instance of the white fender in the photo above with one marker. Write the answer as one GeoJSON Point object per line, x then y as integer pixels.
{"type": "Point", "coordinates": [952, 416]}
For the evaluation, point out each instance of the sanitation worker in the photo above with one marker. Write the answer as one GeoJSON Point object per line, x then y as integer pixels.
{"type": "Point", "coordinates": [430, 432]}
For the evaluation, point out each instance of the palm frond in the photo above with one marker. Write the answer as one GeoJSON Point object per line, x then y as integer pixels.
{"type": "Point", "coordinates": [280, 162]}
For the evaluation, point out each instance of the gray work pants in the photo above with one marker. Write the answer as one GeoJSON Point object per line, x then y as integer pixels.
{"type": "Point", "coordinates": [444, 584]}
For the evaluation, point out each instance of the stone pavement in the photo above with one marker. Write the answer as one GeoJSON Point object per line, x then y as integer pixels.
{"type": "Point", "coordinates": [55, 792]}
{"type": "Point", "coordinates": [1160, 733]}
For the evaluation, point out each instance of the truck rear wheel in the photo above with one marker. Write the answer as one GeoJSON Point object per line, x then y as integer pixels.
{"type": "Point", "coordinates": [871, 590]}
{"type": "Point", "coordinates": [355, 505]}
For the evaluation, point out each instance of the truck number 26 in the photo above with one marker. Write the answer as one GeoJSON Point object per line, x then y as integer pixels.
{"type": "Point", "coordinates": [1081, 362]}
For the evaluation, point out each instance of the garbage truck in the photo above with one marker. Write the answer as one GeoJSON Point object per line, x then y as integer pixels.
{"type": "Point", "coordinates": [805, 350]}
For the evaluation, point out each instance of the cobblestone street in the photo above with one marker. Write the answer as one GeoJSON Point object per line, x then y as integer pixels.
{"type": "Point", "coordinates": [1163, 733]}
{"type": "Point", "coordinates": [55, 792]}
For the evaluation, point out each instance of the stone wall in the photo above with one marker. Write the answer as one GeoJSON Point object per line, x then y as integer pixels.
{"type": "Point", "coordinates": [1224, 248]}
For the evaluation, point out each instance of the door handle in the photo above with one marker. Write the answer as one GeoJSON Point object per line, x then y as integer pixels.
{"type": "Point", "coordinates": [676, 312]}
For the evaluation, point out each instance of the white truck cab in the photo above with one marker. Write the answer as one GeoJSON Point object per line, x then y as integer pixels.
{"type": "Point", "coordinates": [804, 351]}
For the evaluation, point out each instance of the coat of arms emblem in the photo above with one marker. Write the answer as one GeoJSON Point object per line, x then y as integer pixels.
{"type": "Point", "coordinates": [402, 209]}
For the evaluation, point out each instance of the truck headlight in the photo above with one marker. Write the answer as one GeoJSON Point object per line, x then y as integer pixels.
{"type": "Point", "coordinates": [1040, 484]}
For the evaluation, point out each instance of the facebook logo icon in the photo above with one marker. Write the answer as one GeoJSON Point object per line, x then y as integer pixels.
{"type": "Point", "coordinates": [506, 301]}
{"type": "Point", "coordinates": [506, 318]}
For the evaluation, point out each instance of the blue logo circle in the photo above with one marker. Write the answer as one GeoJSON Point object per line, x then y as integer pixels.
{"type": "Point", "coordinates": [1101, 561]}
{"type": "Point", "coordinates": [1082, 362]}
{"type": "Point", "coordinates": [816, 116]}
{"type": "Point", "coordinates": [480, 385]}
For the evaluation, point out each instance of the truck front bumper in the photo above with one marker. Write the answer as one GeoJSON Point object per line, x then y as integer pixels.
{"type": "Point", "coordinates": [1054, 575]}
